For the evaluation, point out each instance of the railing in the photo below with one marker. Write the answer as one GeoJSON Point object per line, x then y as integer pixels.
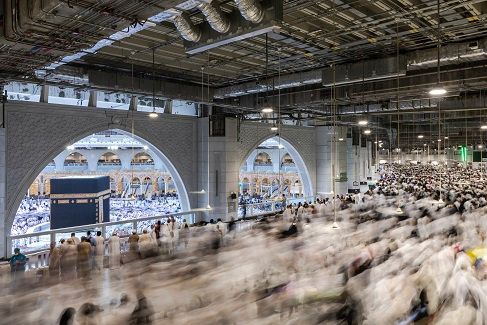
{"type": "Point", "coordinates": [40, 258]}
{"type": "Point", "coordinates": [40, 241]}
{"type": "Point", "coordinates": [269, 206]}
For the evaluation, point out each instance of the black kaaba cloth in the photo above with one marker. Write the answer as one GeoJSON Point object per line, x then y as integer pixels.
{"type": "Point", "coordinates": [78, 201]}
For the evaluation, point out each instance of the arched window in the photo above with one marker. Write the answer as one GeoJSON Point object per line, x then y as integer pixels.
{"type": "Point", "coordinates": [142, 158]}
{"type": "Point", "coordinates": [263, 159]}
{"type": "Point", "coordinates": [75, 159]}
{"type": "Point", "coordinates": [287, 160]}
{"type": "Point", "coordinates": [109, 159]}
{"type": "Point", "coordinates": [147, 181]}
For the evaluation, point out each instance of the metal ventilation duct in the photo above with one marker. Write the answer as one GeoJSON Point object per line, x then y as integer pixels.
{"type": "Point", "coordinates": [215, 17]}
{"type": "Point", "coordinates": [283, 82]}
{"type": "Point", "coordinates": [186, 28]}
{"type": "Point", "coordinates": [251, 10]}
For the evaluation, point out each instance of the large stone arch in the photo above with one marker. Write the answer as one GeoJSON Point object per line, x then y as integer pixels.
{"type": "Point", "coordinates": [299, 142]}
{"type": "Point", "coordinates": [60, 126]}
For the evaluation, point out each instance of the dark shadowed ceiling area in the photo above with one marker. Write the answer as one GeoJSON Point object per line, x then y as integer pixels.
{"type": "Point", "coordinates": [371, 59]}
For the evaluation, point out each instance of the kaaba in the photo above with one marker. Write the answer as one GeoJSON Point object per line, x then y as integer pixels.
{"type": "Point", "coordinates": [78, 201]}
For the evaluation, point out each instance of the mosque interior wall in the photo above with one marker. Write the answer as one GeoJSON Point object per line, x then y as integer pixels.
{"type": "Point", "coordinates": [37, 132]}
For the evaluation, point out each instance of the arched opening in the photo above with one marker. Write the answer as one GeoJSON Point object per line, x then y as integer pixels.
{"type": "Point", "coordinates": [127, 185]}
{"type": "Point", "coordinates": [75, 161]}
{"type": "Point", "coordinates": [161, 185]}
{"type": "Point", "coordinates": [276, 167]}
{"type": "Point", "coordinates": [147, 186]}
{"type": "Point", "coordinates": [109, 160]}
{"type": "Point", "coordinates": [262, 161]}
{"type": "Point", "coordinates": [142, 159]}
{"type": "Point", "coordinates": [287, 163]}
{"type": "Point", "coordinates": [245, 186]}
{"type": "Point", "coordinates": [297, 189]}
{"type": "Point", "coordinates": [286, 189]}
{"type": "Point", "coordinates": [135, 189]}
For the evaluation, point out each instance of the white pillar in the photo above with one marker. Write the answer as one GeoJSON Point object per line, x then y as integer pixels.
{"type": "Point", "coordinates": [92, 100]}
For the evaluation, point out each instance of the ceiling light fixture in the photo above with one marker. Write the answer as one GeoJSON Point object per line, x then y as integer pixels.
{"type": "Point", "coordinates": [483, 127]}
{"type": "Point", "coordinates": [367, 132]}
{"type": "Point", "coordinates": [153, 114]}
{"type": "Point", "coordinates": [274, 128]}
{"type": "Point", "coordinates": [267, 110]}
{"type": "Point", "coordinates": [363, 122]}
{"type": "Point", "coordinates": [446, 138]}
{"type": "Point", "coordinates": [340, 139]}
{"type": "Point", "coordinates": [420, 136]}
{"type": "Point", "coordinates": [437, 91]}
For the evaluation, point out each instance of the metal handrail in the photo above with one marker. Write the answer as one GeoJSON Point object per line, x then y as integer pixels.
{"type": "Point", "coordinates": [104, 224]}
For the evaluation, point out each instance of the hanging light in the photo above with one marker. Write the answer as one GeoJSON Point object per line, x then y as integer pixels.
{"type": "Point", "coordinates": [439, 140]}
{"type": "Point", "coordinates": [480, 146]}
{"type": "Point", "coordinates": [367, 132]}
{"type": "Point", "coordinates": [153, 114]}
{"type": "Point", "coordinates": [274, 128]}
{"type": "Point", "coordinates": [340, 139]}
{"type": "Point", "coordinates": [438, 90]}
{"type": "Point", "coordinates": [363, 122]}
{"type": "Point", "coordinates": [420, 136]}
{"type": "Point", "coordinates": [446, 138]}
{"type": "Point", "coordinates": [267, 110]}
{"type": "Point", "coordinates": [483, 127]}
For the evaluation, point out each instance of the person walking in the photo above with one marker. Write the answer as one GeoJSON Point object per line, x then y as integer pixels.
{"type": "Point", "coordinates": [114, 251]}
{"type": "Point", "coordinates": [99, 251]}
{"type": "Point", "coordinates": [84, 256]}
{"type": "Point", "coordinates": [54, 261]}
{"type": "Point", "coordinates": [133, 245]}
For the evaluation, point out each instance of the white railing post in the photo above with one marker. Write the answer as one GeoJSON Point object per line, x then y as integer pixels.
{"type": "Point", "coordinates": [134, 226]}
{"type": "Point", "coordinates": [103, 231]}
{"type": "Point", "coordinates": [52, 237]}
